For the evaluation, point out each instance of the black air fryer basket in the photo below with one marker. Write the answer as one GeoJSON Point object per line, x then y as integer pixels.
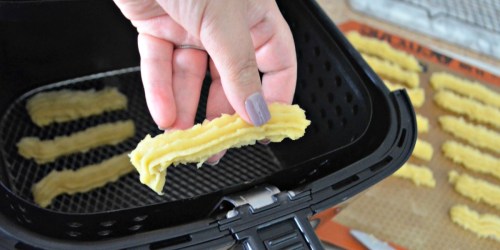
{"type": "Point", "coordinates": [258, 196]}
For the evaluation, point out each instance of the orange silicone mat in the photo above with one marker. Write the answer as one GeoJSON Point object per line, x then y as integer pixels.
{"type": "Point", "coordinates": [395, 209]}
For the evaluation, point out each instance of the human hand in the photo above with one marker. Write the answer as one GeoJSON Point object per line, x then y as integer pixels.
{"type": "Point", "coordinates": [241, 37]}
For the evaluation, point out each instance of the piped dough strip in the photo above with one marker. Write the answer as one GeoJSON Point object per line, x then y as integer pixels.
{"type": "Point", "coordinates": [483, 225]}
{"type": "Point", "coordinates": [153, 156]}
{"type": "Point", "coordinates": [476, 90]}
{"type": "Point", "coordinates": [475, 189]}
{"type": "Point", "coordinates": [476, 135]}
{"type": "Point", "coordinates": [422, 124]}
{"type": "Point", "coordinates": [471, 158]}
{"type": "Point", "coordinates": [66, 105]}
{"type": "Point", "coordinates": [419, 175]}
{"type": "Point", "coordinates": [81, 180]}
{"type": "Point", "coordinates": [471, 108]}
{"type": "Point", "coordinates": [49, 150]}
{"type": "Point", "coordinates": [392, 71]}
{"type": "Point", "coordinates": [423, 150]}
{"type": "Point", "coordinates": [417, 95]}
{"type": "Point", "coordinates": [382, 49]}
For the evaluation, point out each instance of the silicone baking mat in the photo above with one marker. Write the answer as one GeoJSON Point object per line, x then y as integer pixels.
{"type": "Point", "coordinates": [398, 211]}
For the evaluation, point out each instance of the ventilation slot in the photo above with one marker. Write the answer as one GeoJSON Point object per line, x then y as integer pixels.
{"type": "Point", "coordinates": [345, 182]}
{"type": "Point", "coordinates": [379, 165]}
{"type": "Point", "coordinates": [402, 138]}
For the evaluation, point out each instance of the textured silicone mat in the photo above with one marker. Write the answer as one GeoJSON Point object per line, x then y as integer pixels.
{"type": "Point", "coordinates": [398, 211]}
{"type": "Point", "coordinates": [474, 25]}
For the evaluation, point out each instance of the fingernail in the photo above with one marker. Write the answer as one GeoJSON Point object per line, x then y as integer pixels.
{"type": "Point", "coordinates": [257, 109]}
{"type": "Point", "coordinates": [264, 141]}
{"type": "Point", "coordinates": [212, 163]}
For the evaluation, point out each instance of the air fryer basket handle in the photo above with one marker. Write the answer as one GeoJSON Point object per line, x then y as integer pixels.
{"type": "Point", "coordinates": [291, 232]}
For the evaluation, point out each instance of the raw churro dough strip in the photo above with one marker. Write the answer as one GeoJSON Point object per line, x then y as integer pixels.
{"type": "Point", "coordinates": [66, 105]}
{"type": "Point", "coordinates": [483, 225]}
{"type": "Point", "coordinates": [153, 156]}
{"type": "Point", "coordinates": [422, 124]}
{"type": "Point", "coordinates": [423, 150]}
{"type": "Point", "coordinates": [392, 71]}
{"type": "Point", "coordinates": [419, 175]}
{"type": "Point", "coordinates": [382, 49]}
{"type": "Point", "coordinates": [471, 108]}
{"type": "Point", "coordinates": [465, 87]}
{"type": "Point", "coordinates": [81, 141]}
{"type": "Point", "coordinates": [80, 180]}
{"type": "Point", "coordinates": [417, 95]}
{"type": "Point", "coordinates": [475, 189]}
{"type": "Point", "coordinates": [471, 158]}
{"type": "Point", "coordinates": [476, 135]}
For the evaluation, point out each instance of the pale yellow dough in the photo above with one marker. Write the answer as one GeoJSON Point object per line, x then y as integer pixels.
{"type": "Point", "coordinates": [471, 108]}
{"type": "Point", "coordinates": [422, 124]}
{"type": "Point", "coordinates": [153, 156]}
{"type": "Point", "coordinates": [81, 180]}
{"type": "Point", "coordinates": [475, 189]}
{"type": "Point", "coordinates": [382, 49]}
{"type": "Point", "coordinates": [483, 225]}
{"type": "Point", "coordinates": [66, 105]}
{"type": "Point", "coordinates": [465, 87]}
{"type": "Point", "coordinates": [81, 141]}
{"type": "Point", "coordinates": [472, 158]}
{"type": "Point", "coordinates": [392, 71]}
{"type": "Point", "coordinates": [419, 175]}
{"type": "Point", "coordinates": [476, 135]}
{"type": "Point", "coordinates": [423, 150]}
{"type": "Point", "coordinates": [417, 95]}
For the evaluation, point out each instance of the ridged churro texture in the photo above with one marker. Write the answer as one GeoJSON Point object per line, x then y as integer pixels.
{"type": "Point", "coordinates": [422, 124]}
{"type": "Point", "coordinates": [475, 189]}
{"type": "Point", "coordinates": [471, 108]}
{"type": "Point", "coordinates": [66, 105]}
{"type": "Point", "coordinates": [80, 180]}
{"type": "Point", "coordinates": [476, 135]}
{"type": "Point", "coordinates": [392, 71]}
{"type": "Point", "coordinates": [382, 49]}
{"type": "Point", "coordinates": [153, 156]}
{"type": "Point", "coordinates": [483, 225]}
{"type": "Point", "coordinates": [471, 158]}
{"type": "Point", "coordinates": [423, 150]}
{"type": "Point", "coordinates": [419, 175]}
{"type": "Point", "coordinates": [44, 151]}
{"type": "Point", "coordinates": [443, 80]}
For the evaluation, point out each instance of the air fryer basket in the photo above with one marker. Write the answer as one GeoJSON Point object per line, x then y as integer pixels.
{"type": "Point", "coordinates": [359, 134]}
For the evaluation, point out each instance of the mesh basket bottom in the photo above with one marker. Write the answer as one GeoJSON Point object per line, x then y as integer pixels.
{"type": "Point", "coordinates": [242, 165]}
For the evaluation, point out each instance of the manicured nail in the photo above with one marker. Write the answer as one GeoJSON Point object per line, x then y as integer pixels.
{"type": "Point", "coordinates": [212, 163]}
{"type": "Point", "coordinates": [264, 141]}
{"type": "Point", "coordinates": [257, 109]}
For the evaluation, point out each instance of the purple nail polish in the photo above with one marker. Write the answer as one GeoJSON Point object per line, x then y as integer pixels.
{"type": "Point", "coordinates": [257, 109]}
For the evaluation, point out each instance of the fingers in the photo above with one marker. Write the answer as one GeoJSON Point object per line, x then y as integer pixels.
{"type": "Point", "coordinates": [189, 70]}
{"type": "Point", "coordinates": [137, 10]}
{"type": "Point", "coordinates": [217, 104]}
{"type": "Point", "coordinates": [275, 55]}
{"type": "Point", "coordinates": [226, 37]}
{"type": "Point", "coordinates": [215, 159]}
{"type": "Point", "coordinates": [156, 73]}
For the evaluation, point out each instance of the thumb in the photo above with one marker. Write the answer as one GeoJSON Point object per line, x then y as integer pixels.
{"type": "Point", "coordinates": [226, 36]}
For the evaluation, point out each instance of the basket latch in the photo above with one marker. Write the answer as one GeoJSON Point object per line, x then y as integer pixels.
{"type": "Point", "coordinates": [258, 197]}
